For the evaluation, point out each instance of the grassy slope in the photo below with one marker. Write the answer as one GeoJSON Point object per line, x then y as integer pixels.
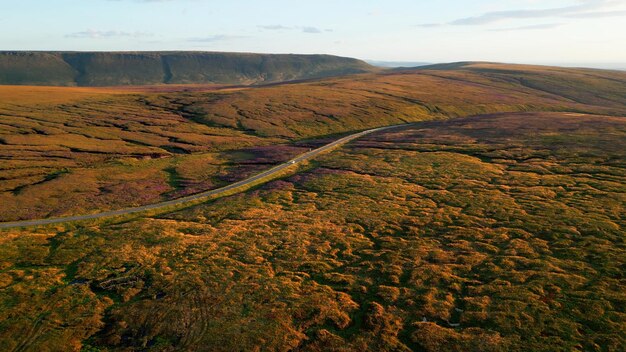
{"type": "Point", "coordinates": [493, 233]}
{"type": "Point", "coordinates": [241, 118]}
{"type": "Point", "coordinates": [143, 68]}
{"type": "Point", "coordinates": [601, 87]}
{"type": "Point", "coordinates": [76, 150]}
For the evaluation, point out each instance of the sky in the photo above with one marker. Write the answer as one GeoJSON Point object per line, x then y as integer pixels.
{"type": "Point", "coordinates": [568, 32]}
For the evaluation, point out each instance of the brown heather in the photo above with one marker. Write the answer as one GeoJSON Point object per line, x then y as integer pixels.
{"type": "Point", "coordinates": [503, 231]}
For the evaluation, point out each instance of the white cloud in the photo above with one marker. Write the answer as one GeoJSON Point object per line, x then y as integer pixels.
{"type": "Point", "coordinates": [96, 34]}
{"type": "Point", "coordinates": [311, 30]}
{"type": "Point", "coordinates": [526, 28]}
{"type": "Point", "coordinates": [303, 29]}
{"type": "Point", "coordinates": [597, 14]}
{"type": "Point", "coordinates": [216, 38]}
{"type": "Point", "coordinates": [275, 27]}
{"type": "Point", "coordinates": [585, 9]}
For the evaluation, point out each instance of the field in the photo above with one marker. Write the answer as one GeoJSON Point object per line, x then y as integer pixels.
{"type": "Point", "coordinates": [500, 232]}
{"type": "Point", "coordinates": [69, 151]}
{"type": "Point", "coordinates": [495, 223]}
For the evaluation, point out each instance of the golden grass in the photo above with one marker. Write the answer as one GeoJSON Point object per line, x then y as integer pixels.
{"type": "Point", "coordinates": [45, 130]}
{"type": "Point", "coordinates": [493, 233]}
{"type": "Point", "coordinates": [22, 95]}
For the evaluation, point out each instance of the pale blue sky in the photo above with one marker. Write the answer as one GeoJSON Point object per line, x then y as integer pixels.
{"type": "Point", "coordinates": [534, 31]}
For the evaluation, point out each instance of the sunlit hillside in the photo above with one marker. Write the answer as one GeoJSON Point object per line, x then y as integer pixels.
{"type": "Point", "coordinates": [493, 233]}
{"type": "Point", "coordinates": [79, 150]}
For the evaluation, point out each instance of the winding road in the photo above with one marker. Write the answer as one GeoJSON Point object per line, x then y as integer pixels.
{"type": "Point", "coordinates": [254, 180]}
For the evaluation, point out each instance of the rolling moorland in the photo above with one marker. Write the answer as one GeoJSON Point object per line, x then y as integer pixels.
{"type": "Point", "coordinates": [145, 68]}
{"type": "Point", "coordinates": [70, 151]}
{"type": "Point", "coordinates": [494, 224]}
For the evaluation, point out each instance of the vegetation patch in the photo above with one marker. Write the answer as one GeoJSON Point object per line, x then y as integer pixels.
{"type": "Point", "coordinates": [502, 232]}
{"type": "Point", "coordinates": [118, 143]}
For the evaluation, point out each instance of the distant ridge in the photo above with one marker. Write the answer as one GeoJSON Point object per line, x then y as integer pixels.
{"type": "Point", "coordinates": [469, 65]}
{"type": "Point", "coordinates": [396, 64]}
{"type": "Point", "coordinates": [148, 68]}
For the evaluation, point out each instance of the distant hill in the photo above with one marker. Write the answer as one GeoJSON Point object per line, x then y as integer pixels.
{"type": "Point", "coordinates": [394, 64]}
{"type": "Point", "coordinates": [147, 68]}
{"type": "Point", "coordinates": [580, 85]}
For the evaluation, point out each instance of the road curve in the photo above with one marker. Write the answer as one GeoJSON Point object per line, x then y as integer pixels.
{"type": "Point", "coordinates": [194, 197]}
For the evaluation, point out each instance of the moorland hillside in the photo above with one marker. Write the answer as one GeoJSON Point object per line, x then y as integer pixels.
{"type": "Point", "coordinates": [146, 68]}
{"type": "Point", "coordinates": [68, 151]}
{"type": "Point", "coordinates": [500, 232]}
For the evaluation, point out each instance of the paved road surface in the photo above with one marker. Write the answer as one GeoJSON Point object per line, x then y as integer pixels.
{"type": "Point", "coordinates": [216, 192]}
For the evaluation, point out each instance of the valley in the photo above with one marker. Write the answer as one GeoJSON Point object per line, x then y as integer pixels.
{"type": "Point", "coordinates": [492, 220]}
